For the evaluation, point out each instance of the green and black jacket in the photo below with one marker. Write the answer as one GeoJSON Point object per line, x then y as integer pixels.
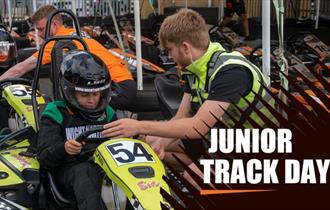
{"type": "Point", "coordinates": [58, 124]}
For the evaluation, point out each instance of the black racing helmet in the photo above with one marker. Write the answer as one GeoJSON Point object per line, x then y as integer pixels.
{"type": "Point", "coordinates": [82, 71]}
{"type": "Point", "coordinates": [8, 50]}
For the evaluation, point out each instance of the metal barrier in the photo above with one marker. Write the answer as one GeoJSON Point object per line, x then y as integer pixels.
{"type": "Point", "coordinates": [95, 8]}
{"type": "Point", "coordinates": [293, 8]}
{"type": "Point", "coordinates": [24, 8]}
{"type": "Point", "coordinates": [18, 10]}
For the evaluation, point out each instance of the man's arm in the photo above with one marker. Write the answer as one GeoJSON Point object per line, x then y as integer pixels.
{"type": "Point", "coordinates": [184, 108]}
{"type": "Point", "coordinates": [185, 127]}
{"type": "Point", "coordinates": [179, 128]}
{"type": "Point", "coordinates": [20, 69]}
{"type": "Point", "coordinates": [226, 88]}
{"type": "Point", "coordinates": [183, 111]}
{"type": "Point", "coordinates": [159, 144]}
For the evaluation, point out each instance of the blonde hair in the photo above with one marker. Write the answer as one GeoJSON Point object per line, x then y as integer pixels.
{"type": "Point", "coordinates": [185, 25]}
{"type": "Point", "coordinates": [43, 12]}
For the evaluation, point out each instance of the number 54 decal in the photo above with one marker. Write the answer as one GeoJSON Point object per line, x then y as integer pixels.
{"type": "Point", "coordinates": [127, 152]}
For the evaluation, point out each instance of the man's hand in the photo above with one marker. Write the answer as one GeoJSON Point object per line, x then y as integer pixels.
{"type": "Point", "coordinates": [72, 147]}
{"type": "Point", "coordinates": [158, 144]}
{"type": "Point", "coordinates": [121, 128]}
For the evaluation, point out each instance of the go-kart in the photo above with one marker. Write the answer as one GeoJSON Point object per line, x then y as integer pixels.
{"type": "Point", "coordinates": [111, 42]}
{"type": "Point", "coordinates": [298, 72]}
{"type": "Point", "coordinates": [294, 64]}
{"type": "Point", "coordinates": [225, 36]}
{"type": "Point", "coordinates": [230, 40]}
{"type": "Point", "coordinates": [128, 163]}
{"type": "Point", "coordinates": [16, 99]}
{"type": "Point", "coordinates": [19, 170]}
{"type": "Point", "coordinates": [134, 167]}
{"type": "Point", "coordinates": [306, 56]}
{"type": "Point", "coordinates": [311, 50]}
{"type": "Point", "coordinates": [153, 58]}
{"type": "Point", "coordinates": [15, 94]}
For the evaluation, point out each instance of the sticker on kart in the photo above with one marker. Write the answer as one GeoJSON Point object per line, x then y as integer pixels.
{"type": "Point", "coordinates": [22, 91]}
{"type": "Point", "coordinates": [128, 152]}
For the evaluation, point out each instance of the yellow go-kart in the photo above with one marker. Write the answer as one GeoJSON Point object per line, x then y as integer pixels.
{"type": "Point", "coordinates": [128, 163]}
{"type": "Point", "coordinates": [16, 101]}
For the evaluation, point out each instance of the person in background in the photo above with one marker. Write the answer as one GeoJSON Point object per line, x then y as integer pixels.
{"type": "Point", "coordinates": [238, 7]}
{"type": "Point", "coordinates": [124, 85]}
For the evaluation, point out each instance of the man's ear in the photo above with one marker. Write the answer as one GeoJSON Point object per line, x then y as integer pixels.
{"type": "Point", "coordinates": [55, 22]}
{"type": "Point", "coordinates": [186, 46]}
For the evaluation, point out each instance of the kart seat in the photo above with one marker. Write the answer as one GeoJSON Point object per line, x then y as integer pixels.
{"type": "Point", "coordinates": [58, 51]}
{"type": "Point", "coordinates": [169, 92]}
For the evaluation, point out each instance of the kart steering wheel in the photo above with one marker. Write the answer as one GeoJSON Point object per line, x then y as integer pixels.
{"type": "Point", "coordinates": [90, 131]}
{"type": "Point", "coordinates": [84, 135]}
{"type": "Point", "coordinates": [14, 81]}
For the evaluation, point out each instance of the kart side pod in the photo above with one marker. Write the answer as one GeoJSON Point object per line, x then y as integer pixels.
{"type": "Point", "coordinates": [19, 98]}
{"type": "Point", "coordinates": [134, 167]}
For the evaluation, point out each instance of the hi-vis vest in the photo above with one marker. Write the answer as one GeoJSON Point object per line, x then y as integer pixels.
{"type": "Point", "coordinates": [200, 82]}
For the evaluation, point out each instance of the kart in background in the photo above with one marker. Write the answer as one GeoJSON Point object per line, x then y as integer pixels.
{"type": "Point", "coordinates": [312, 51]}
{"type": "Point", "coordinates": [16, 99]}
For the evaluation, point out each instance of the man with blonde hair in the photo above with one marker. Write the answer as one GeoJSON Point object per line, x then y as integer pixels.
{"type": "Point", "coordinates": [125, 85]}
{"type": "Point", "coordinates": [215, 80]}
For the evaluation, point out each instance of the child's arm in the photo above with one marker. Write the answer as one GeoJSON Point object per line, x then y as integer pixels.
{"type": "Point", "coordinates": [51, 151]}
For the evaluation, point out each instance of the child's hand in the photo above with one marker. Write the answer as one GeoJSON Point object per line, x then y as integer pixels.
{"type": "Point", "coordinates": [72, 147]}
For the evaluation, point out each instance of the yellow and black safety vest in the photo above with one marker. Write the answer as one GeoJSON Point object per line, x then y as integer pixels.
{"type": "Point", "coordinates": [202, 72]}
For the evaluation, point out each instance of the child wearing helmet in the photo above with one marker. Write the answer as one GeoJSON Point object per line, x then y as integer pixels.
{"type": "Point", "coordinates": [85, 87]}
